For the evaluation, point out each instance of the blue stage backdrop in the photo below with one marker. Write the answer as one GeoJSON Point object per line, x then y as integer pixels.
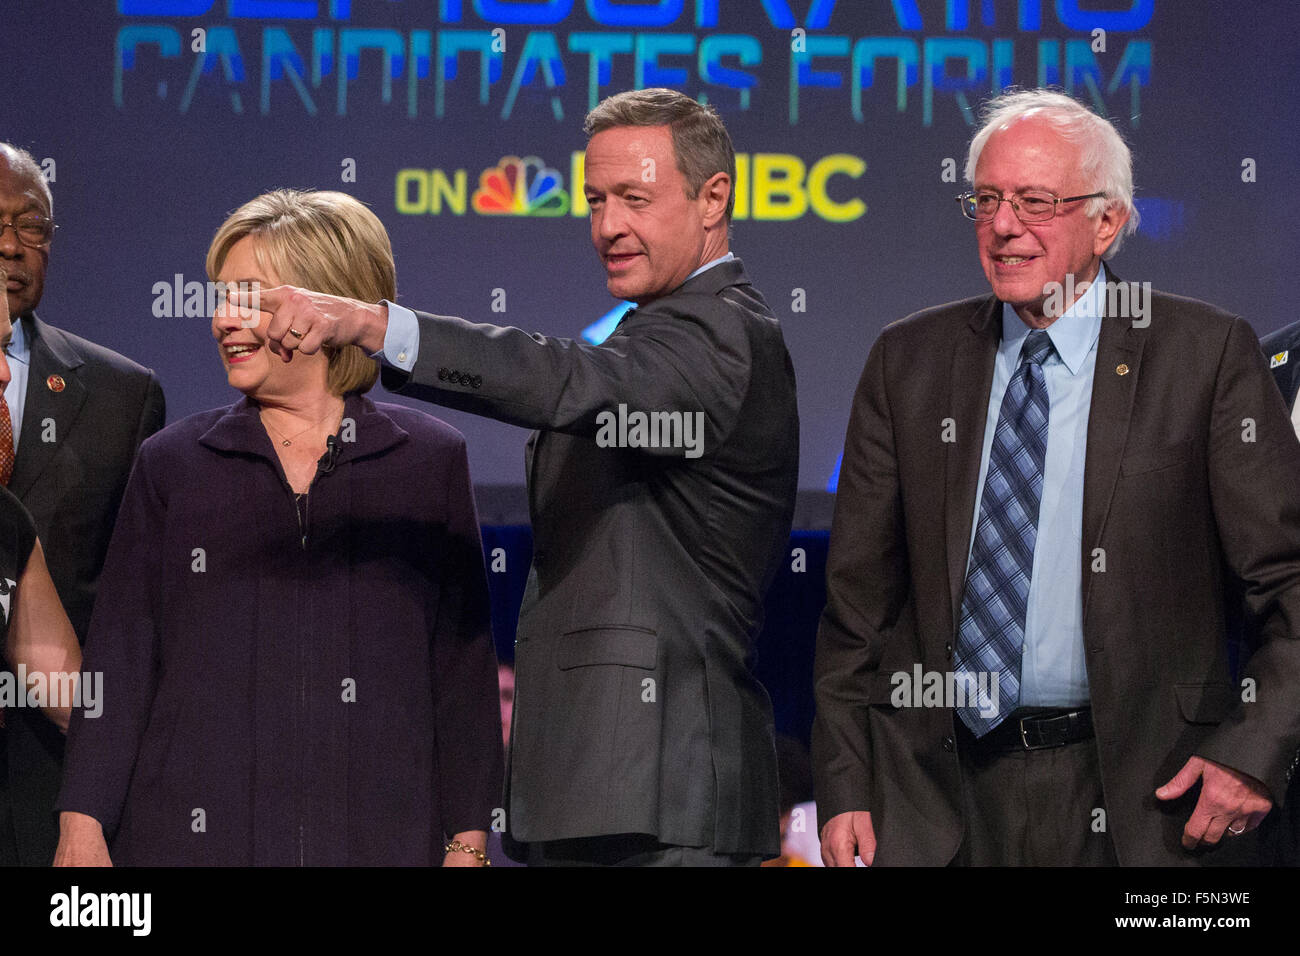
{"type": "Point", "coordinates": [459, 122]}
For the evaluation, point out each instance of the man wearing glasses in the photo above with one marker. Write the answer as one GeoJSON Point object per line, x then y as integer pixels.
{"type": "Point", "coordinates": [1044, 497]}
{"type": "Point", "coordinates": [71, 419]}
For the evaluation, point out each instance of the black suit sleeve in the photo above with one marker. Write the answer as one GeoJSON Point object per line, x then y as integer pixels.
{"type": "Point", "coordinates": [17, 541]}
{"type": "Point", "coordinates": [153, 413]}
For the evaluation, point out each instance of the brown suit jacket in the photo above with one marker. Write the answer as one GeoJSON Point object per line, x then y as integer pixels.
{"type": "Point", "coordinates": [1189, 483]}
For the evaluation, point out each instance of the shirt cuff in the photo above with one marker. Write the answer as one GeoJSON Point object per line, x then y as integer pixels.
{"type": "Point", "coordinates": [402, 340]}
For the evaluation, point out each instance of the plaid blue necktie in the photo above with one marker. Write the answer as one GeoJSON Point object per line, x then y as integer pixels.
{"type": "Point", "coordinates": [991, 636]}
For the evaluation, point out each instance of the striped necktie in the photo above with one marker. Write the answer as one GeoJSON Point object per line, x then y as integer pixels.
{"type": "Point", "coordinates": [991, 635]}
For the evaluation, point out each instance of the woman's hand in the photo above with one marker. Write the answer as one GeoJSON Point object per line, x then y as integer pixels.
{"type": "Point", "coordinates": [81, 842]}
{"type": "Point", "coordinates": [476, 839]}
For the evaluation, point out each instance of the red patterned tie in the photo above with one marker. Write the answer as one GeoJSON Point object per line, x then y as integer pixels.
{"type": "Point", "coordinates": [6, 443]}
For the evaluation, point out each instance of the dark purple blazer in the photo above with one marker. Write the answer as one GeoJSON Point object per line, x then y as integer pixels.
{"type": "Point", "coordinates": [283, 691]}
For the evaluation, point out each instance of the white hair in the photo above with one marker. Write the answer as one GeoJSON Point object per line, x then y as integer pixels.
{"type": "Point", "coordinates": [1104, 158]}
{"type": "Point", "coordinates": [24, 164]}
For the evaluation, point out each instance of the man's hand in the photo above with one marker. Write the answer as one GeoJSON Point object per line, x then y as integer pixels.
{"type": "Point", "coordinates": [81, 842]}
{"type": "Point", "coordinates": [302, 320]}
{"type": "Point", "coordinates": [1229, 801]}
{"type": "Point", "coordinates": [846, 835]}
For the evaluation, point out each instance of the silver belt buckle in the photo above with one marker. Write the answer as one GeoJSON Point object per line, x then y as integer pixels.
{"type": "Point", "coordinates": [1024, 739]}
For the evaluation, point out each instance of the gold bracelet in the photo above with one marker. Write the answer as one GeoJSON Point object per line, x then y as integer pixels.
{"type": "Point", "coordinates": [456, 845]}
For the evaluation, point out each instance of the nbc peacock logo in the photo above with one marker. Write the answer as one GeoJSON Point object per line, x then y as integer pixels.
{"type": "Point", "coordinates": [521, 187]}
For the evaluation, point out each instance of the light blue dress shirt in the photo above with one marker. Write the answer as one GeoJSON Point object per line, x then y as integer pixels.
{"type": "Point", "coordinates": [710, 264]}
{"type": "Point", "coordinates": [402, 340]}
{"type": "Point", "coordinates": [19, 354]}
{"type": "Point", "coordinates": [1052, 668]}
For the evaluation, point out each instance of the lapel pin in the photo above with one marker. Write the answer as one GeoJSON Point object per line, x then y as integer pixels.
{"type": "Point", "coordinates": [1279, 359]}
{"type": "Point", "coordinates": [1121, 369]}
{"type": "Point", "coordinates": [55, 383]}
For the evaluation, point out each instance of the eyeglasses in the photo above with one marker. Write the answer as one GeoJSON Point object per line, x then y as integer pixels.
{"type": "Point", "coordinates": [32, 231]}
{"type": "Point", "coordinates": [1029, 207]}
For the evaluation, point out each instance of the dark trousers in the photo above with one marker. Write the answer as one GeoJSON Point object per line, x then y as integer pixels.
{"type": "Point", "coordinates": [1032, 807]}
{"type": "Point", "coordinates": [8, 844]}
{"type": "Point", "coordinates": [633, 849]}
{"type": "Point", "coordinates": [32, 749]}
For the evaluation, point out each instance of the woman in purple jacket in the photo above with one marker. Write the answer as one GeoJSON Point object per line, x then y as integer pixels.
{"type": "Point", "coordinates": [292, 622]}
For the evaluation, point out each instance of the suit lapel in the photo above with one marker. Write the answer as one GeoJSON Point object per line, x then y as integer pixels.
{"type": "Point", "coordinates": [971, 375]}
{"type": "Point", "coordinates": [50, 356]}
{"type": "Point", "coordinates": [1115, 378]}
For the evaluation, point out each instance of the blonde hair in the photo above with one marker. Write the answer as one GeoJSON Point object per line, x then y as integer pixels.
{"type": "Point", "coordinates": [324, 241]}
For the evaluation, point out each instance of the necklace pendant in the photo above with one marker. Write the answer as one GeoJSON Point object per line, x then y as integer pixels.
{"type": "Point", "coordinates": [286, 443]}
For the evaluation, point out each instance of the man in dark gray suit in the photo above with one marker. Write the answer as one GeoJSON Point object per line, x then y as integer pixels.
{"type": "Point", "coordinates": [661, 485]}
{"type": "Point", "coordinates": [77, 413]}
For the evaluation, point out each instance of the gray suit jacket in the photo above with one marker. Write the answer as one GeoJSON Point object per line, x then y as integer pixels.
{"type": "Point", "coordinates": [636, 710]}
{"type": "Point", "coordinates": [78, 444]}
{"type": "Point", "coordinates": [1189, 485]}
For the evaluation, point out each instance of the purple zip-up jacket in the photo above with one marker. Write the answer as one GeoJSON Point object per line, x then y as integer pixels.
{"type": "Point", "coordinates": [291, 683]}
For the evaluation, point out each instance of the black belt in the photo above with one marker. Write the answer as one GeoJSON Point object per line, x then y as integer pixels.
{"type": "Point", "coordinates": [1039, 730]}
